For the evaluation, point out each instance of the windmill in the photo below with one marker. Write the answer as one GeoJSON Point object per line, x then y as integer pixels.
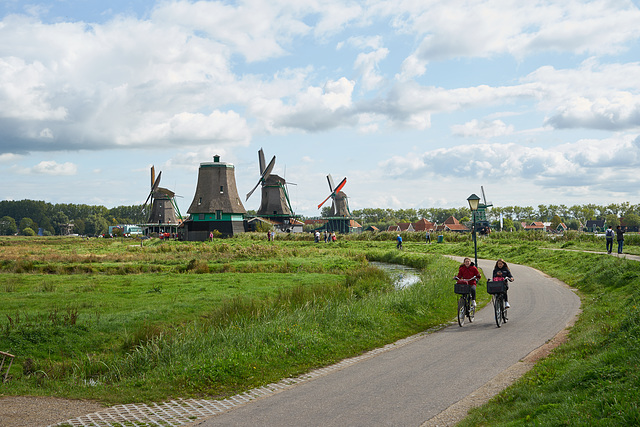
{"type": "Point", "coordinates": [339, 202]}
{"type": "Point", "coordinates": [163, 205]}
{"type": "Point", "coordinates": [482, 223]}
{"type": "Point", "coordinates": [216, 205]}
{"type": "Point", "coordinates": [275, 199]}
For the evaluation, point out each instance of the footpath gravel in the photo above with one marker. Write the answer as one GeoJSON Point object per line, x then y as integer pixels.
{"type": "Point", "coordinates": [27, 411]}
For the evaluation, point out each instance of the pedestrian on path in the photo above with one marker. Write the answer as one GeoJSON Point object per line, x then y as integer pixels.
{"type": "Point", "coordinates": [609, 236]}
{"type": "Point", "coordinates": [619, 238]}
{"type": "Point", "coordinates": [428, 237]}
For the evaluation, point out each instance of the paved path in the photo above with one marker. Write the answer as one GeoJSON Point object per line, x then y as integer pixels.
{"type": "Point", "coordinates": [409, 385]}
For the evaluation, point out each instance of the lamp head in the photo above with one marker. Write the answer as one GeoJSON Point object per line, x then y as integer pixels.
{"type": "Point", "coordinates": [474, 201]}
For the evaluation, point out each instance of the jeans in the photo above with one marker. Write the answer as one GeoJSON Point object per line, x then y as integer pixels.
{"type": "Point", "coordinates": [620, 243]}
{"type": "Point", "coordinates": [472, 290]}
{"type": "Point", "coordinates": [609, 245]}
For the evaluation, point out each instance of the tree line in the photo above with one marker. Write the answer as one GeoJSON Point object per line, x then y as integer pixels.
{"type": "Point", "coordinates": [28, 216]}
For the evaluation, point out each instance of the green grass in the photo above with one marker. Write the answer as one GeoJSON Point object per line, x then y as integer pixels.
{"type": "Point", "coordinates": [213, 319]}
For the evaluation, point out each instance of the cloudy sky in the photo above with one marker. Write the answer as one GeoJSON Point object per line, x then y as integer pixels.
{"type": "Point", "coordinates": [417, 102]}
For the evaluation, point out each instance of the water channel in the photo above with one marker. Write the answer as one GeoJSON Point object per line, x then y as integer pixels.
{"type": "Point", "coordinates": [403, 276]}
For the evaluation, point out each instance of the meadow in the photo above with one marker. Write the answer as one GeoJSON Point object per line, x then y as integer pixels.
{"type": "Point", "coordinates": [107, 319]}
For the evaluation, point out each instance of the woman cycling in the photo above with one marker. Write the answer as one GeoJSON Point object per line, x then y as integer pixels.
{"type": "Point", "coordinates": [469, 274]}
{"type": "Point", "coordinates": [501, 272]}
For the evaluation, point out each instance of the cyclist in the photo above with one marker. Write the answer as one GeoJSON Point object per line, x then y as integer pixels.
{"type": "Point", "coordinates": [501, 272]}
{"type": "Point", "coordinates": [469, 274]}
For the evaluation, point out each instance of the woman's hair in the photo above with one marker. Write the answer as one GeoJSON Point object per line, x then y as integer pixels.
{"type": "Point", "coordinates": [504, 264]}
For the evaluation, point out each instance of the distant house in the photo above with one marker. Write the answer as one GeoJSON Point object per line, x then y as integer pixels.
{"type": "Point", "coordinates": [594, 225]}
{"type": "Point", "coordinates": [393, 228]}
{"type": "Point", "coordinates": [536, 225]}
{"type": "Point", "coordinates": [372, 228]}
{"type": "Point", "coordinates": [405, 226]}
{"type": "Point", "coordinates": [424, 225]}
{"type": "Point", "coordinates": [452, 224]}
{"type": "Point", "coordinates": [561, 228]}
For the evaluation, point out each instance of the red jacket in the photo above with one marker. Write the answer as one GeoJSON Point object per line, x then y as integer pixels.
{"type": "Point", "coordinates": [470, 272]}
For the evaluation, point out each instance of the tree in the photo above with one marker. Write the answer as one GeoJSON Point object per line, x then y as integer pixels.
{"type": "Point", "coordinates": [8, 226]}
{"type": "Point", "coordinates": [555, 222]}
{"type": "Point", "coordinates": [612, 220]}
{"type": "Point", "coordinates": [28, 231]}
{"type": "Point", "coordinates": [27, 223]}
{"type": "Point", "coordinates": [632, 220]}
{"type": "Point", "coordinates": [96, 225]}
{"type": "Point", "coordinates": [79, 226]}
{"type": "Point", "coordinates": [59, 219]}
{"type": "Point", "coordinates": [573, 224]}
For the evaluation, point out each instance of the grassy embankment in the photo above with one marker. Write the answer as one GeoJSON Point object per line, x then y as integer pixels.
{"type": "Point", "coordinates": [108, 320]}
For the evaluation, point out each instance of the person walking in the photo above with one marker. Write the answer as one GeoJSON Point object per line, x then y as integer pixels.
{"type": "Point", "coordinates": [619, 238]}
{"type": "Point", "coordinates": [470, 274]}
{"type": "Point", "coordinates": [428, 236]}
{"type": "Point", "coordinates": [609, 236]}
{"type": "Point", "coordinates": [399, 239]}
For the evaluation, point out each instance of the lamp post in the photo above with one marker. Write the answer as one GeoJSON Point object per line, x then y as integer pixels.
{"type": "Point", "coordinates": [474, 201]}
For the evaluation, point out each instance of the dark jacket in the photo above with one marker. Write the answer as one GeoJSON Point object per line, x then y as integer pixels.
{"type": "Point", "coordinates": [504, 272]}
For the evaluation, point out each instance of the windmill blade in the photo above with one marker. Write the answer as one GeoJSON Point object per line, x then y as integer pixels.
{"type": "Point", "coordinates": [269, 168]}
{"type": "Point", "coordinates": [153, 175]}
{"type": "Point", "coordinates": [253, 189]}
{"type": "Point", "coordinates": [340, 186]}
{"type": "Point", "coordinates": [323, 202]}
{"type": "Point", "coordinates": [330, 180]}
{"type": "Point", "coordinates": [483, 196]}
{"type": "Point", "coordinates": [261, 161]}
{"type": "Point", "coordinates": [155, 185]}
{"type": "Point", "coordinates": [263, 176]}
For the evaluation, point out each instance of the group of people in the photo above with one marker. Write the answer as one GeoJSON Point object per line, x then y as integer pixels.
{"type": "Point", "coordinates": [328, 237]}
{"type": "Point", "coordinates": [468, 273]}
{"type": "Point", "coordinates": [619, 235]}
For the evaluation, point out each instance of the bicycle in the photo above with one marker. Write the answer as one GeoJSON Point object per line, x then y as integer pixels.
{"type": "Point", "coordinates": [465, 308]}
{"type": "Point", "coordinates": [498, 290]}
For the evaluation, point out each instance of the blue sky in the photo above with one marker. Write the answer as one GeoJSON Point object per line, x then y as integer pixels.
{"type": "Point", "coordinates": [417, 103]}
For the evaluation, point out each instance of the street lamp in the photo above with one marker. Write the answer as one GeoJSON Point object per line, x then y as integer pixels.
{"type": "Point", "coordinates": [474, 201]}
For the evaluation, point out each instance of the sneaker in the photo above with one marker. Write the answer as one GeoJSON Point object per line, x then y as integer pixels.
{"type": "Point", "coordinates": [473, 303]}
{"type": "Point", "coordinates": [507, 305]}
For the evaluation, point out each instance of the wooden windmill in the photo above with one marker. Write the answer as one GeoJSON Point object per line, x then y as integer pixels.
{"type": "Point", "coordinates": [163, 205]}
{"type": "Point", "coordinates": [216, 205]}
{"type": "Point", "coordinates": [275, 199]}
{"type": "Point", "coordinates": [339, 201]}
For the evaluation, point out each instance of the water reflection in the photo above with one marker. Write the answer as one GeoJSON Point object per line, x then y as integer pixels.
{"type": "Point", "coordinates": [403, 276]}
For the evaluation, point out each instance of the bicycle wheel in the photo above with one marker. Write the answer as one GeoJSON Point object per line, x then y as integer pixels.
{"type": "Point", "coordinates": [497, 308]}
{"type": "Point", "coordinates": [504, 314]}
{"type": "Point", "coordinates": [461, 310]}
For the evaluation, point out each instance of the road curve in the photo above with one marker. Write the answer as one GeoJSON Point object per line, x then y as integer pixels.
{"type": "Point", "coordinates": [411, 384]}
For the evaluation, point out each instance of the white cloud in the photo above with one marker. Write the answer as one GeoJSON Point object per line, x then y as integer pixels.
{"type": "Point", "coordinates": [482, 129]}
{"type": "Point", "coordinates": [481, 28]}
{"type": "Point", "coordinates": [50, 167]}
{"type": "Point", "coordinates": [574, 164]}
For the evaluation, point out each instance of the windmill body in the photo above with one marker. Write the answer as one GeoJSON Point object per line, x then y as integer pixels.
{"type": "Point", "coordinates": [339, 219]}
{"type": "Point", "coordinates": [162, 219]}
{"type": "Point", "coordinates": [274, 205]}
{"type": "Point", "coordinates": [216, 205]}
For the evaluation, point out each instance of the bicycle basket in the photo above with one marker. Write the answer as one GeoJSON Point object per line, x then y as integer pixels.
{"type": "Point", "coordinates": [496, 287]}
{"type": "Point", "coordinates": [461, 288]}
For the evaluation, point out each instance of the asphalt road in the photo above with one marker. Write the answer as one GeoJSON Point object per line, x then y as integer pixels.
{"type": "Point", "coordinates": [411, 384]}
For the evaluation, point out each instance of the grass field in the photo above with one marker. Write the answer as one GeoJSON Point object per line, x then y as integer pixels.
{"type": "Point", "coordinates": [109, 320]}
